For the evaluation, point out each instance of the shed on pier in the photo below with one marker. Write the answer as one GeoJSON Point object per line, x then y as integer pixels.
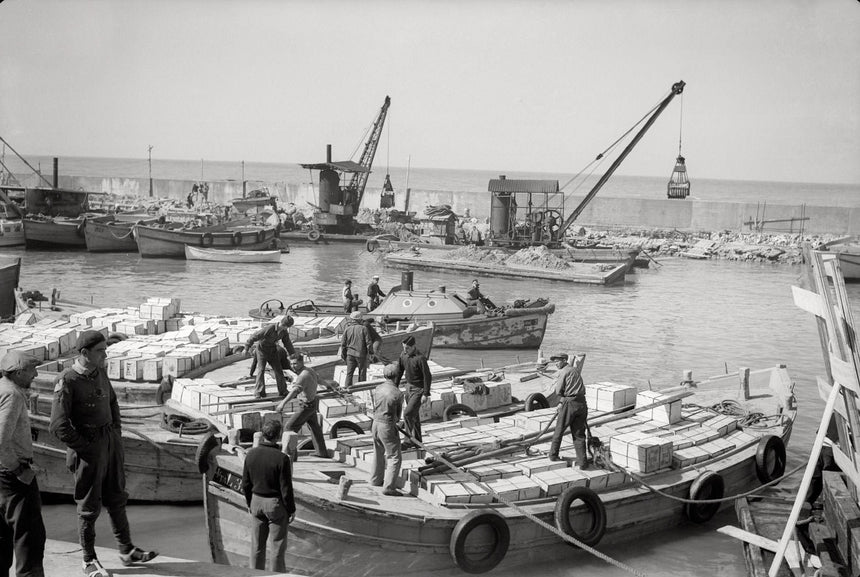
{"type": "Point", "coordinates": [525, 212]}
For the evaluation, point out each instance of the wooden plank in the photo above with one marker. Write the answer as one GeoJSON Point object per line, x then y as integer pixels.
{"type": "Point", "coordinates": [809, 301]}
{"type": "Point", "coordinates": [843, 516]}
{"type": "Point", "coordinates": [754, 557]}
{"type": "Point", "coordinates": [844, 462]}
{"type": "Point", "coordinates": [824, 392]}
{"type": "Point", "coordinates": [791, 555]}
{"type": "Point", "coordinates": [845, 374]}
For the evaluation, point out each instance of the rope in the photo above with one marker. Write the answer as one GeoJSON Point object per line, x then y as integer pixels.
{"type": "Point", "coordinates": [126, 235]}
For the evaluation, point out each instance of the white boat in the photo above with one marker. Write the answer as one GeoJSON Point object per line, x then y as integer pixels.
{"type": "Point", "coordinates": [216, 255]}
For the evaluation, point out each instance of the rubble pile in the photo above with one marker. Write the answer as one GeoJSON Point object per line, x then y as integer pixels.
{"type": "Point", "coordinates": [474, 254]}
{"type": "Point", "coordinates": [537, 257]}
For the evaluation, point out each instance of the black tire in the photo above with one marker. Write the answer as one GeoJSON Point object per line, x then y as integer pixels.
{"type": "Point", "coordinates": [306, 445]}
{"type": "Point", "coordinates": [207, 443]}
{"type": "Point", "coordinates": [457, 409]}
{"type": "Point", "coordinates": [770, 458]}
{"type": "Point", "coordinates": [207, 239]}
{"type": "Point", "coordinates": [371, 245]}
{"type": "Point", "coordinates": [165, 390]}
{"type": "Point", "coordinates": [536, 401]}
{"type": "Point", "coordinates": [461, 533]}
{"type": "Point", "coordinates": [708, 485]}
{"type": "Point", "coordinates": [348, 425]}
{"type": "Point", "coordinates": [595, 508]}
{"type": "Point", "coordinates": [313, 235]}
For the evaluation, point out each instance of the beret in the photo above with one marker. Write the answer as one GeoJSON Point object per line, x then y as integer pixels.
{"type": "Point", "coordinates": [89, 338]}
{"type": "Point", "coordinates": [17, 361]}
{"type": "Point", "coordinates": [389, 371]}
{"type": "Point", "coordinates": [356, 315]}
{"type": "Point", "coordinates": [409, 341]}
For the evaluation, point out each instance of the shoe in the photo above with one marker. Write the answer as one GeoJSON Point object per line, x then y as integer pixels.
{"type": "Point", "coordinates": [392, 493]}
{"type": "Point", "coordinates": [137, 555]}
{"type": "Point", "coordinates": [554, 458]}
{"type": "Point", "coordinates": [94, 568]}
{"type": "Point", "coordinates": [584, 467]}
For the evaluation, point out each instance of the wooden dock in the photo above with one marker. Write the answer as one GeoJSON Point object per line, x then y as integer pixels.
{"type": "Point", "coordinates": [64, 558]}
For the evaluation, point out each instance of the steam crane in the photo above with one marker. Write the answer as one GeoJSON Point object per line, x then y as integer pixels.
{"type": "Point", "coordinates": [338, 204]}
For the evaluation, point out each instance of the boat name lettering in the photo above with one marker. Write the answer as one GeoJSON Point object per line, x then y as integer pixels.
{"type": "Point", "coordinates": [228, 479]}
{"type": "Point", "coordinates": [529, 322]}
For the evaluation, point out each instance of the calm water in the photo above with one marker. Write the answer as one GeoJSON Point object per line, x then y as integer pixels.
{"type": "Point", "coordinates": [708, 316]}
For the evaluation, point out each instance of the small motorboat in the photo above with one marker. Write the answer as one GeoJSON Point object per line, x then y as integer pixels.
{"type": "Point", "coordinates": [217, 255]}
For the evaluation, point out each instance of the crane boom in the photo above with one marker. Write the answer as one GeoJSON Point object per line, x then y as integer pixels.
{"type": "Point", "coordinates": [359, 179]}
{"type": "Point", "coordinates": [677, 88]}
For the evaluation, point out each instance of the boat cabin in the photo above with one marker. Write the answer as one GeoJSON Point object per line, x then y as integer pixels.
{"type": "Point", "coordinates": [56, 202]}
{"type": "Point", "coordinates": [525, 212]}
{"type": "Point", "coordinates": [423, 305]}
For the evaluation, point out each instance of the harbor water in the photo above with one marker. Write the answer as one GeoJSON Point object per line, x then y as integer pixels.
{"type": "Point", "coordinates": [710, 317]}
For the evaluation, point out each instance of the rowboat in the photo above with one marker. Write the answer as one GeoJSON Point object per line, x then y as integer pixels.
{"type": "Point", "coordinates": [507, 506]}
{"type": "Point", "coordinates": [170, 242]}
{"type": "Point", "coordinates": [57, 232]}
{"type": "Point", "coordinates": [216, 255]}
{"type": "Point", "coordinates": [111, 234]}
{"type": "Point", "coordinates": [458, 324]}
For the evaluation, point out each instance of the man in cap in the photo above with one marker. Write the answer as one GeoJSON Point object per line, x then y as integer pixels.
{"type": "Point", "coordinates": [413, 366]}
{"type": "Point", "coordinates": [387, 455]}
{"type": "Point", "coordinates": [476, 297]}
{"type": "Point", "coordinates": [267, 339]}
{"type": "Point", "coordinates": [356, 345]}
{"type": "Point", "coordinates": [350, 301]}
{"type": "Point", "coordinates": [85, 416]}
{"type": "Point", "coordinates": [374, 293]}
{"type": "Point", "coordinates": [304, 388]}
{"type": "Point", "coordinates": [22, 530]}
{"type": "Point", "coordinates": [572, 409]}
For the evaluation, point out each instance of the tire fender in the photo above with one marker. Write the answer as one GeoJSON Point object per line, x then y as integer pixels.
{"type": "Point", "coordinates": [536, 401]}
{"type": "Point", "coordinates": [204, 447]}
{"type": "Point", "coordinates": [770, 458]}
{"type": "Point", "coordinates": [594, 507]}
{"type": "Point", "coordinates": [313, 235]}
{"type": "Point", "coordinates": [452, 411]}
{"type": "Point", "coordinates": [236, 239]}
{"type": "Point", "coordinates": [466, 525]}
{"type": "Point", "coordinates": [165, 389]}
{"type": "Point", "coordinates": [348, 425]}
{"type": "Point", "coordinates": [206, 239]}
{"type": "Point", "coordinates": [371, 245]}
{"type": "Point", "coordinates": [261, 235]}
{"type": "Point", "coordinates": [708, 485]}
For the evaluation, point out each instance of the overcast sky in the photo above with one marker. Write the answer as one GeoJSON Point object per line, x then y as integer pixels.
{"type": "Point", "coordinates": [773, 86]}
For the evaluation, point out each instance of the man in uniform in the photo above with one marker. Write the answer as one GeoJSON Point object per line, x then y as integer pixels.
{"type": "Point", "coordinates": [572, 409]}
{"type": "Point", "coordinates": [267, 482]}
{"type": "Point", "coordinates": [413, 366]}
{"type": "Point", "coordinates": [85, 416]}
{"type": "Point", "coordinates": [22, 530]}
{"type": "Point", "coordinates": [305, 389]}
{"type": "Point", "coordinates": [356, 345]}
{"type": "Point", "coordinates": [387, 455]}
{"type": "Point", "coordinates": [374, 293]}
{"type": "Point", "coordinates": [267, 352]}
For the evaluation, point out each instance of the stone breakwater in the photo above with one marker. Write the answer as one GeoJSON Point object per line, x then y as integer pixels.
{"type": "Point", "coordinates": [738, 246]}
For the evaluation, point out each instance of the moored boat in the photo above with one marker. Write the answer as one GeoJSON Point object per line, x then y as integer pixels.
{"type": "Point", "coordinates": [166, 242]}
{"type": "Point", "coordinates": [10, 273]}
{"type": "Point", "coordinates": [507, 505]}
{"type": "Point", "coordinates": [54, 232]}
{"type": "Point", "coordinates": [216, 255]}
{"type": "Point", "coordinates": [110, 234]}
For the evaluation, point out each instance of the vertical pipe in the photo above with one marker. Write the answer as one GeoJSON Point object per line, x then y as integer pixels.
{"type": "Point", "coordinates": [56, 172]}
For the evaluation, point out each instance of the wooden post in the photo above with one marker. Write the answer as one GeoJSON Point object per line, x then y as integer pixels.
{"type": "Point", "coordinates": [744, 375]}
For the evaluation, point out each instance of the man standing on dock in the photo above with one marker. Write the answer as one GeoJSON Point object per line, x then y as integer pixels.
{"type": "Point", "coordinates": [414, 367]}
{"type": "Point", "coordinates": [387, 455]}
{"type": "Point", "coordinates": [304, 388]}
{"type": "Point", "coordinates": [572, 409]}
{"type": "Point", "coordinates": [85, 416]}
{"type": "Point", "coordinates": [356, 345]}
{"type": "Point", "coordinates": [22, 530]}
{"type": "Point", "coordinates": [374, 293]}
{"type": "Point", "coordinates": [267, 482]}
{"type": "Point", "coordinates": [267, 352]}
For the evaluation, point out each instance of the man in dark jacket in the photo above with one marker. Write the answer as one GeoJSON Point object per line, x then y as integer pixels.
{"type": "Point", "coordinates": [267, 482]}
{"type": "Point", "coordinates": [85, 416]}
{"type": "Point", "coordinates": [572, 409]}
{"type": "Point", "coordinates": [267, 352]}
{"type": "Point", "coordinates": [413, 366]}
{"type": "Point", "coordinates": [356, 345]}
{"type": "Point", "coordinates": [374, 293]}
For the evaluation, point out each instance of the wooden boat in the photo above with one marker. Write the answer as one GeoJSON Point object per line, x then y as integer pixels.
{"type": "Point", "coordinates": [10, 274]}
{"type": "Point", "coordinates": [57, 232]}
{"type": "Point", "coordinates": [112, 234]}
{"type": "Point", "coordinates": [588, 273]}
{"type": "Point", "coordinates": [216, 255]}
{"type": "Point", "coordinates": [166, 242]}
{"type": "Point", "coordinates": [458, 325]}
{"type": "Point", "coordinates": [11, 227]}
{"type": "Point", "coordinates": [506, 507]}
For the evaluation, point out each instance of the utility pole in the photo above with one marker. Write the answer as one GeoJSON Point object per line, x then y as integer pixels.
{"type": "Point", "coordinates": [150, 171]}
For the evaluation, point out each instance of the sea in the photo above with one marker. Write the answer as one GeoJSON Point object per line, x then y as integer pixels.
{"type": "Point", "coordinates": [712, 317]}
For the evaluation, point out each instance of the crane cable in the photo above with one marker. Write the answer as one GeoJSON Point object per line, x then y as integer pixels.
{"type": "Point", "coordinates": [680, 123]}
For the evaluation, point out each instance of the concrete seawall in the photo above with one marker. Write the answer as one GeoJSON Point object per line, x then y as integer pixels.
{"type": "Point", "coordinates": [685, 215]}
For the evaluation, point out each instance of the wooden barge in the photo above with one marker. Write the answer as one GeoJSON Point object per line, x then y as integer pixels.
{"type": "Point", "coordinates": [155, 242]}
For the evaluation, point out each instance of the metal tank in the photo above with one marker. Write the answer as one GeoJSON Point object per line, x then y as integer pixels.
{"type": "Point", "coordinates": [329, 189]}
{"type": "Point", "coordinates": [502, 205]}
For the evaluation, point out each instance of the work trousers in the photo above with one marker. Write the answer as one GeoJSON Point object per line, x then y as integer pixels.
{"type": "Point", "coordinates": [373, 302]}
{"type": "Point", "coordinates": [387, 456]}
{"type": "Point", "coordinates": [411, 419]}
{"type": "Point", "coordinates": [100, 479]}
{"type": "Point", "coordinates": [308, 415]}
{"type": "Point", "coordinates": [268, 519]}
{"type": "Point", "coordinates": [22, 531]}
{"type": "Point", "coordinates": [352, 363]}
{"type": "Point", "coordinates": [572, 415]}
{"type": "Point", "coordinates": [269, 356]}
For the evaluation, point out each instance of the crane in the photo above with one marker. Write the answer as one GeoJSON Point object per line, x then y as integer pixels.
{"type": "Point", "coordinates": [677, 89]}
{"type": "Point", "coordinates": [359, 179]}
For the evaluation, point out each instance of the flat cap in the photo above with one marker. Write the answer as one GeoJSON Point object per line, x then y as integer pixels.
{"type": "Point", "coordinates": [389, 371]}
{"type": "Point", "coordinates": [17, 361]}
{"type": "Point", "coordinates": [376, 276]}
{"type": "Point", "coordinates": [409, 341]}
{"type": "Point", "coordinates": [559, 357]}
{"type": "Point", "coordinates": [287, 321]}
{"type": "Point", "coordinates": [356, 315]}
{"type": "Point", "coordinates": [88, 339]}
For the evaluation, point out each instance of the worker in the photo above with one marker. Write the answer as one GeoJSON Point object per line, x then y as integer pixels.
{"type": "Point", "coordinates": [21, 524]}
{"type": "Point", "coordinates": [356, 345]}
{"type": "Point", "coordinates": [267, 482]}
{"type": "Point", "coordinates": [476, 297]}
{"type": "Point", "coordinates": [266, 339]}
{"type": "Point", "coordinates": [85, 417]}
{"type": "Point", "coordinates": [572, 408]}
{"type": "Point", "coordinates": [304, 388]}
{"type": "Point", "coordinates": [374, 293]}
{"type": "Point", "coordinates": [350, 301]}
{"type": "Point", "coordinates": [475, 238]}
{"type": "Point", "coordinates": [413, 366]}
{"type": "Point", "coordinates": [387, 454]}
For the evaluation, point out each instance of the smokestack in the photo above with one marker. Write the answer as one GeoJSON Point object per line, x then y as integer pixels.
{"type": "Point", "coordinates": [56, 172]}
{"type": "Point", "coordinates": [501, 177]}
{"type": "Point", "coordinates": [328, 152]}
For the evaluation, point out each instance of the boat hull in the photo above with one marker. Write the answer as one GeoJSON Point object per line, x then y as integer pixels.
{"type": "Point", "coordinates": [250, 256]}
{"type": "Point", "coordinates": [11, 233]}
{"type": "Point", "coordinates": [10, 273]}
{"type": "Point", "coordinates": [165, 243]}
{"type": "Point", "coordinates": [109, 237]}
{"type": "Point", "coordinates": [62, 234]}
{"type": "Point", "coordinates": [849, 263]}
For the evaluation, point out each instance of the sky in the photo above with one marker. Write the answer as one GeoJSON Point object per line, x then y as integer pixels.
{"type": "Point", "coordinates": [773, 86]}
